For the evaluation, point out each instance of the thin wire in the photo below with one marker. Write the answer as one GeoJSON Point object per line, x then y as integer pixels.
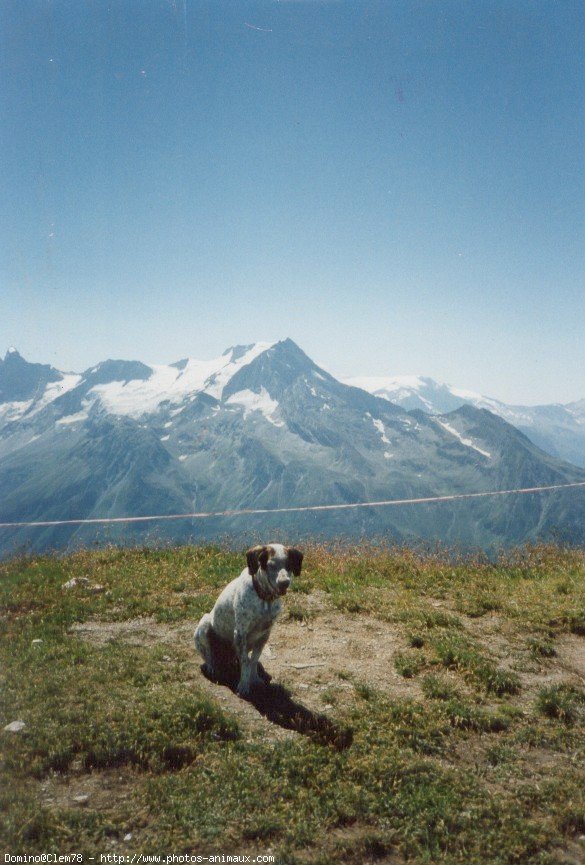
{"type": "Point", "coordinates": [291, 509]}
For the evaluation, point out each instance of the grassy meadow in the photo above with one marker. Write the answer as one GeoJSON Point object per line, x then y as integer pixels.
{"type": "Point", "coordinates": [465, 744]}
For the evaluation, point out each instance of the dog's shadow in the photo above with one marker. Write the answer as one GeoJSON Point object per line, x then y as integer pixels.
{"type": "Point", "coordinates": [275, 703]}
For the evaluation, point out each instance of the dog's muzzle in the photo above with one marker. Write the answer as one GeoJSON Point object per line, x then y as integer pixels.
{"type": "Point", "coordinates": [282, 584]}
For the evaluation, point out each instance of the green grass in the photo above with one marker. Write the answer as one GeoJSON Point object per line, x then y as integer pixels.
{"type": "Point", "coordinates": [458, 652]}
{"type": "Point", "coordinates": [561, 701]}
{"type": "Point", "coordinates": [436, 688]}
{"type": "Point", "coordinates": [462, 763]}
{"type": "Point", "coordinates": [407, 664]}
{"type": "Point", "coordinates": [120, 708]}
{"type": "Point", "coordinates": [541, 647]}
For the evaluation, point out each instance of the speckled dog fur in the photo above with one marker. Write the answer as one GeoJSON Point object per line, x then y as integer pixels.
{"type": "Point", "coordinates": [245, 611]}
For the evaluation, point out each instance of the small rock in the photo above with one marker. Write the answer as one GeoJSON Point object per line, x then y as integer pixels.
{"type": "Point", "coordinates": [75, 581]}
{"type": "Point", "coordinates": [165, 658]}
{"type": "Point", "coordinates": [15, 727]}
{"type": "Point", "coordinates": [95, 590]}
{"type": "Point", "coordinates": [36, 642]}
{"type": "Point", "coordinates": [128, 837]}
{"type": "Point", "coordinates": [305, 666]}
{"type": "Point", "coordinates": [82, 799]}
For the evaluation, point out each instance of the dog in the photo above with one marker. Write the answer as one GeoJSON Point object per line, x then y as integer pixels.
{"type": "Point", "coordinates": [247, 608]}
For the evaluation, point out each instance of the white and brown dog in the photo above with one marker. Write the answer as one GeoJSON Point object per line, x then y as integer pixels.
{"type": "Point", "coordinates": [245, 611]}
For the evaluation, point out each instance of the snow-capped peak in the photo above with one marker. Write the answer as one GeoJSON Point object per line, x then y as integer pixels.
{"type": "Point", "coordinates": [378, 383]}
{"type": "Point", "coordinates": [176, 382]}
{"type": "Point", "coordinates": [410, 391]}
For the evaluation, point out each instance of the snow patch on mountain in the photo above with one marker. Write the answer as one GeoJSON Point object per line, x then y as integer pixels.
{"type": "Point", "coordinates": [140, 396]}
{"type": "Point", "coordinates": [174, 383]}
{"type": "Point", "coordinates": [221, 370]}
{"type": "Point", "coordinates": [382, 430]}
{"type": "Point", "coordinates": [55, 389]}
{"type": "Point", "coordinates": [251, 402]}
{"type": "Point", "coordinates": [379, 385]}
{"type": "Point", "coordinates": [381, 382]}
{"type": "Point", "coordinates": [78, 417]}
{"type": "Point", "coordinates": [13, 411]}
{"type": "Point", "coordinates": [433, 397]}
{"type": "Point", "coordinates": [577, 411]}
{"type": "Point", "coordinates": [464, 441]}
{"type": "Point", "coordinates": [379, 425]}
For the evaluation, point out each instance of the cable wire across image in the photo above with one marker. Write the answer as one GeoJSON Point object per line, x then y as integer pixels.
{"type": "Point", "coordinates": [293, 508]}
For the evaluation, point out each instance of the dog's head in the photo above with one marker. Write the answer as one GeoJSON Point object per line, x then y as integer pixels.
{"type": "Point", "coordinates": [275, 566]}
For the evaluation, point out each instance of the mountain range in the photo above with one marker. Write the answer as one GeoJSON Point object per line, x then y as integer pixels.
{"type": "Point", "coordinates": [261, 426]}
{"type": "Point", "coordinates": [557, 429]}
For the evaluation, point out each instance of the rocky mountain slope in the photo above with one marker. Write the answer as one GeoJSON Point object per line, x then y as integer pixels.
{"type": "Point", "coordinates": [557, 429]}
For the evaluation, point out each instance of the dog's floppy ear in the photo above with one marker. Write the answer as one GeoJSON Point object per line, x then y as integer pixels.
{"type": "Point", "coordinates": [295, 560]}
{"type": "Point", "coordinates": [256, 557]}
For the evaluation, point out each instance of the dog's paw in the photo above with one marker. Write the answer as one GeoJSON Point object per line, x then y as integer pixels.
{"type": "Point", "coordinates": [243, 691]}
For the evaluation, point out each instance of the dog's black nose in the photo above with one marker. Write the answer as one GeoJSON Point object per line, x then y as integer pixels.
{"type": "Point", "coordinates": [282, 584]}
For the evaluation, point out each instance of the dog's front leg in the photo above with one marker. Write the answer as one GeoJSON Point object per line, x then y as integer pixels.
{"type": "Point", "coordinates": [256, 676]}
{"type": "Point", "coordinates": [241, 647]}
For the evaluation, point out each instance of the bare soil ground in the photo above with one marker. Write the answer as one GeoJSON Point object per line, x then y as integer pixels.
{"type": "Point", "coordinates": [318, 659]}
{"type": "Point", "coordinates": [320, 656]}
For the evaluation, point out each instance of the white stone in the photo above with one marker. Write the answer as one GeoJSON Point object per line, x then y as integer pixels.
{"type": "Point", "coordinates": [82, 799]}
{"type": "Point", "coordinates": [15, 727]}
{"type": "Point", "coordinates": [75, 581]}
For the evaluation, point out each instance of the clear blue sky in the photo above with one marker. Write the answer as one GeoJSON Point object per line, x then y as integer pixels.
{"type": "Point", "coordinates": [398, 186]}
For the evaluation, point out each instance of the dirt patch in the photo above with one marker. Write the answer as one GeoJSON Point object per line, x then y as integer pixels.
{"type": "Point", "coordinates": [572, 854]}
{"type": "Point", "coordinates": [135, 632]}
{"type": "Point", "coordinates": [114, 792]}
{"type": "Point", "coordinates": [501, 639]}
{"type": "Point", "coordinates": [317, 658]}
{"type": "Point", "coordinates": [319, 654]}
{"type": "Point", "coordinates": [566, 667]}
{"type": "Point", "coordinates": [358, 844]}
{"type": "Point", "coordinates": [104, 790]}
{"type": "Point", "coordinates": [571, 655]}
